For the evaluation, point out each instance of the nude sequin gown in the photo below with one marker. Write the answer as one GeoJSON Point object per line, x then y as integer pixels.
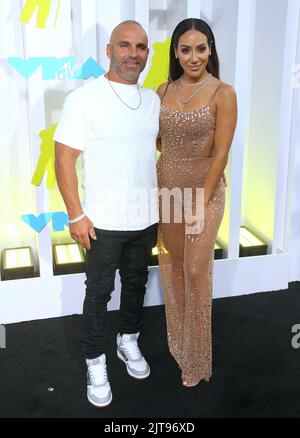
{"type": "Point", "coordinates": [186, 264]}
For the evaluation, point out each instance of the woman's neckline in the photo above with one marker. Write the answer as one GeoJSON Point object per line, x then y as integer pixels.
{"type": "Point", "coordinates": [186, 112]}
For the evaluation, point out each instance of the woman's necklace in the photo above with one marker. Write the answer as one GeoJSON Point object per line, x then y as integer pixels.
{"type": "Point", "coordinates": [192, 85]}
{"type": "Point", "coordinates": [194, 94]}
{"type": "Point", "coordinates": [128, 106]}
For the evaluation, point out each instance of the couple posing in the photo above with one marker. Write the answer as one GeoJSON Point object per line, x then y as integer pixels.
{"type": "Point", "coordinates": [117, 125]}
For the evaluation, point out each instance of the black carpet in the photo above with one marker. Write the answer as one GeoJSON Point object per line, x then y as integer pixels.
{"type": "Point", "coordinates": [256, 371]}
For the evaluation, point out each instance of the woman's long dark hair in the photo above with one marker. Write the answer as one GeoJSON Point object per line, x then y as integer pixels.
{"type": "Point", "coordinates": [213, 66]}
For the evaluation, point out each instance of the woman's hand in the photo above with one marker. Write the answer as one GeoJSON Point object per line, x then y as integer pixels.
{"type": "Point", "coordinates": [194, 220]}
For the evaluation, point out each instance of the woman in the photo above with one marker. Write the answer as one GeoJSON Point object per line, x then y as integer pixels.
{"type": "Point", "coordinates": [197, 123]}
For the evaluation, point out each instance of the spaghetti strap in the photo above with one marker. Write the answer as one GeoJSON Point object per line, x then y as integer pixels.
{"type": "Point", "coordinates": [166, 89]}
{"type": "Point", "coordinates": [214, 93]}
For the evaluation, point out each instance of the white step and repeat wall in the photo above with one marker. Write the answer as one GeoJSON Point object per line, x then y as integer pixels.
{"type": "Point", "coordinates": [50, 47]}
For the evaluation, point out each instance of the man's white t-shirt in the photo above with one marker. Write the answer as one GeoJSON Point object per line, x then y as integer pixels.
{"type": "Point", "coordinates": [119, 152]}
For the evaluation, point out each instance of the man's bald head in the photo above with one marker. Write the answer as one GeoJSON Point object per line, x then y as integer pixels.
{"type": "Point", "coordinates": [114, 34]}
{"type": "Point", "coordinates": [128, 51]}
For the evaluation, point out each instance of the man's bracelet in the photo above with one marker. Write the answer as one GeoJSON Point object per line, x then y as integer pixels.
{"type": "Point", "coordinates": [77, 219]}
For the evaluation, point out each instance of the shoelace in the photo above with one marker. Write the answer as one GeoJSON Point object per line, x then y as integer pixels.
{"type": "Point", "coordinates": [132, 350]}
{"type": "Point", "coordinates": [98, 374]}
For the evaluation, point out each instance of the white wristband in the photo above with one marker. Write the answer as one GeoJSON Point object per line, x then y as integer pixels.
{"type": "Point", "coordinates": [77, 219]}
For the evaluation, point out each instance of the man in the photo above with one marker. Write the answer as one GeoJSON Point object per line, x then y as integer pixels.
{"type": "Point", "coordinates": [114, 123]}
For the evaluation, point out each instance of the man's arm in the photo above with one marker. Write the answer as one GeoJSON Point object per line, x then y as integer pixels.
{"type": "Point", "coordinates": [65, 168]}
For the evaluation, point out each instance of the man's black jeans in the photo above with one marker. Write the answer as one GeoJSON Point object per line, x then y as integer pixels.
{"type": "Point", "coordinates": [130, 251]}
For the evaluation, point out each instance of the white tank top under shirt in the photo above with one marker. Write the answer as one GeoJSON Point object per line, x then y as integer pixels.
{"type": "Point", "coordinates": [119, 152]}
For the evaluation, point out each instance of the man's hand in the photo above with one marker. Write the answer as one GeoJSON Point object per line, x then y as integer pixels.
{"type": "Point", "coordinates": [82, 231]}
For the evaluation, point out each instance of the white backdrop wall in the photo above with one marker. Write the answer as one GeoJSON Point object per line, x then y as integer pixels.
{"type": "Point", "coordinates": [292, 219]}
{"type": "Point", "coordinates": [258, 209]}
{"type": "Point", "coordinates": [258, 47]}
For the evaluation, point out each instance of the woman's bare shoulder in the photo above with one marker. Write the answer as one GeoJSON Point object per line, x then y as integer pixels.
{"type": "Point", "coordinates": [225, 98]}
{"type": "Point", "coordinates": [225, 89]}
{"type": "Point", "coordinates": [162, 88]}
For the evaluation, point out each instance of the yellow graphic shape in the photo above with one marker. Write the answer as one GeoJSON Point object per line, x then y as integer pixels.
{"type": "Point", "coordinates": [46, 159]}
{"type": "Point", "coordinates": [43, 12]}
{"type": "Point", "coordinates": [159, 70]}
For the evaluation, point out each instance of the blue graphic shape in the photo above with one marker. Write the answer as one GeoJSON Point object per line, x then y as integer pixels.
{"type": "Point", "coordinates": [52, 67]}
{"type": "Point", "coordinates": [59, 221]}
{"type": "Point", "coordinates": [25, 67]}
{"type": "Point", "coordinates": [89, 68]}
{"type": "Point", "coordinates": [37, 223]}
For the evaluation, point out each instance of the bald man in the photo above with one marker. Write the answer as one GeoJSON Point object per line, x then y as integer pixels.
{"type": "Point", "coordinates": [113, 123]}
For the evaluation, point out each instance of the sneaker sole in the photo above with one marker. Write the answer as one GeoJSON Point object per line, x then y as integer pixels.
{"type": "Point", "coordinates": [99, 405]}
{"type": "Point", "coordinates": [129, 370]}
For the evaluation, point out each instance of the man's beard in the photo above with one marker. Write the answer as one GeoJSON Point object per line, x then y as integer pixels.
{"type": "Point", "coordinates": [124, 74]}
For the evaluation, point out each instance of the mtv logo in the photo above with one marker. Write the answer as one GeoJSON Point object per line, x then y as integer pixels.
{"type": "Point", "coordinates": [56, 68]}
{"type": "Point", "coordinates": [37, 223]}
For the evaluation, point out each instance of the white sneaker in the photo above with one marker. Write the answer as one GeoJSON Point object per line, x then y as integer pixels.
{"type": "Point", "coordinates": [128, 351]}
{"type": "Point", "coordinates": [98, 387]}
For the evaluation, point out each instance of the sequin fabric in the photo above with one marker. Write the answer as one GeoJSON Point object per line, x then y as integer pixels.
{"type": "Point", "coordinates": [186, 265]}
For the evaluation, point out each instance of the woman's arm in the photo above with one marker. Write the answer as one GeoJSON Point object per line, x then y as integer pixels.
{"type": "Point", "coordinates": [158, 143]}
{"type": "Point", "coordinates": [160, 91]}
{"type": "Point", "coordinates": [226, 118]}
